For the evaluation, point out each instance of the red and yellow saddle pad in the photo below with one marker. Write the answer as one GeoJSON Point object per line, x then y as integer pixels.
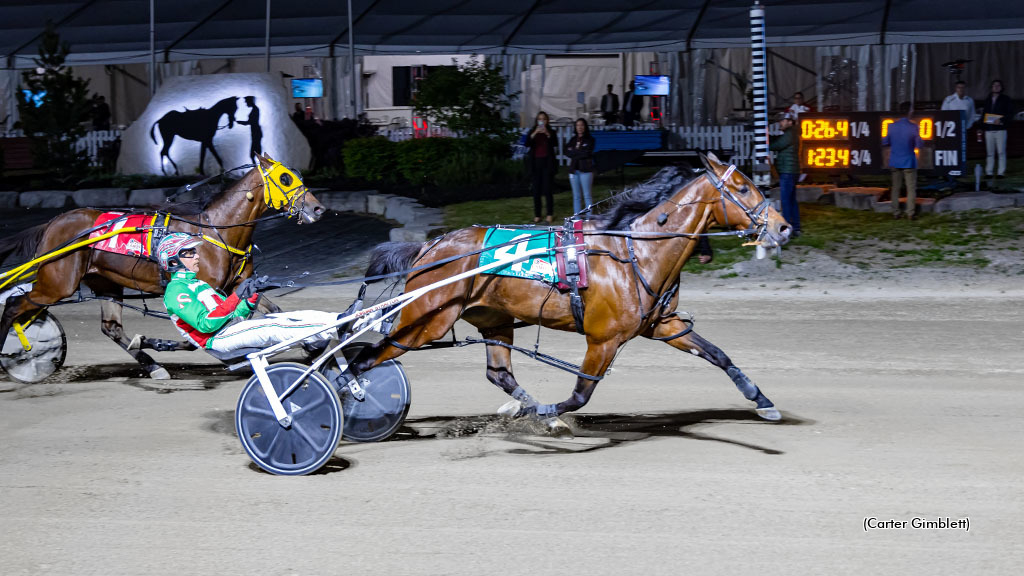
{"type": "Point", "coordinates": [139, 244]}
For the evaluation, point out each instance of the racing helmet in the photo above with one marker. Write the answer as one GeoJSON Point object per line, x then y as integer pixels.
{"type": "Point", "coordinates": [172, 244]}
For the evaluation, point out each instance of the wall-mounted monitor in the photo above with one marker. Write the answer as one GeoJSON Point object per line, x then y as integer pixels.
{"type": "Point", "coordinates": [651, 85]}
{"type": "Point", "coordinates": [307, 88]}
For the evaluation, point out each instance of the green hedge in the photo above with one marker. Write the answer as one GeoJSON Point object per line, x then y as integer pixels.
{"type": "Point", "coordinates": [372, 159]}
{"type": "Point", "coordinates": [442, 162]}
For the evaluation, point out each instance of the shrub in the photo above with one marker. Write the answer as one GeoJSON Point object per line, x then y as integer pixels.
{"type": "Point", "coordinates": [419, 160]}
{"type": "Point", "coordinates": [372, 159]}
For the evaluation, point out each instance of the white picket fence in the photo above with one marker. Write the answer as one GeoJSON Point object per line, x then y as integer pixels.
{"type": "Point", "coordinates": [735, 141]}
{"type": "Point", "coordinates": [90, 143]}
{"type": "Point", "coordinates": [401, 133]}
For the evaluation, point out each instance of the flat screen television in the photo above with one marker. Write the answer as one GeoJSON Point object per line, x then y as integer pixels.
{"type": "Point", "coordinates": [651, 85]}
{"type": "Point", "coordinates": [307, 88]}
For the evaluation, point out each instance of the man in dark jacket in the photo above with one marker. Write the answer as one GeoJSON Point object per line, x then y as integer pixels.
{"type": "Point", "coordinates": [633, 105]}
{"type": "Point", "coordinates": [610, 106]}
{"type": "Point", "coordinates": [996, 114]}
{"type": "Point", "coordinates": [787, 162]}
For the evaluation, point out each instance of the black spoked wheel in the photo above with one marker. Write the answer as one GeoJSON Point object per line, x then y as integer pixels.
{"type": "Point", "coordinates": [315, 430]}
{"type": "Point", "coordinates": [45, 353]}
{"type": "Point", "coordinates": [385, 400]}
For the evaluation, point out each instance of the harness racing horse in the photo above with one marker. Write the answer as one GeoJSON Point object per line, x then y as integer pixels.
{"type": "Point", "coordinates": [635, 253]}
{"type": "Point", "coordinates": [227, 224]}
{"type": "Point", "coordinates": [199, 125]}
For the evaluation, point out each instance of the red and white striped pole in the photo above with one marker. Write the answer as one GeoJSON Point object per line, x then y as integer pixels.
{"type": "Point", "coordinates": [759, 68]}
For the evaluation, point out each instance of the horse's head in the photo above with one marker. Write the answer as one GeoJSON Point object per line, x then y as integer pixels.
{"type": "Point", "coordinates": [283, 190]}
{"type": "Point", "coordinates": [228, 106]}
{"type": "Point", "coordinates": [743, 206]}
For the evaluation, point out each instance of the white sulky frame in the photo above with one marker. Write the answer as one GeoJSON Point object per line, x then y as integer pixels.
{"type": "Point", "coordinates": [259, 362]}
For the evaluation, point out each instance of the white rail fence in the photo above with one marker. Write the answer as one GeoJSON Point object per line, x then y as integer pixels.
{"type": "Point", "coordinates": [91, 143]}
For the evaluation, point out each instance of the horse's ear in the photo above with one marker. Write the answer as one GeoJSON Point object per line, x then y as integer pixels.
{"type": "Point", "coordinates": [264, 161]}
{"type": "Point", "coordinates": [713, 159]}
{"type": "Point", "coordinates": [707, 163]}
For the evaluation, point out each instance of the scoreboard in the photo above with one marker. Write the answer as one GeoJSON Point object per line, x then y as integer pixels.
{"type": "Point", "coordinates": [852, 141]}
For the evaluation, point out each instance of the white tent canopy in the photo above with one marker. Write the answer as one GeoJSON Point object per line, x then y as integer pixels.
{"type": "Point", "coordinates": [117, 31]}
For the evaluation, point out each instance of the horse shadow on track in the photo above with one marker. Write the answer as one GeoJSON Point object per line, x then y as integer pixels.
{"type": "Point", "coordinates": [590, 432]}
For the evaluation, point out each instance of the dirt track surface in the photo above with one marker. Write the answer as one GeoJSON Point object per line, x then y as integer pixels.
{"type": "Point", "coordinates": [898, 403]}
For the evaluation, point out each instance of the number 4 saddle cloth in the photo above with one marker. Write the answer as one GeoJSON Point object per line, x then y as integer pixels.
{"type": "Point", "coordinates": [565, 264]}
{"type": "Point", "coordinates": [140, 243]}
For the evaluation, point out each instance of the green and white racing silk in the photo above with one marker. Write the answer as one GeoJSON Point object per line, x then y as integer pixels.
{"type": "Point", "coordinates": [537, 268]}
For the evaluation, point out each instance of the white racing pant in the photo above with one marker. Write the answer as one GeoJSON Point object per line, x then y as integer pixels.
{"type": "Point", "coordinates": [274, 329]}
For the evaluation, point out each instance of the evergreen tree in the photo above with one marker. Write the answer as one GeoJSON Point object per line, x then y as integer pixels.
{"type": "Point", "coordinates": [55, 110]}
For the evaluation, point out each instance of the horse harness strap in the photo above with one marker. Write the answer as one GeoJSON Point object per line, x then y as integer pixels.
{"type": "Point", "coordinates": [572, 267]}
{"type": "Point", "coordinates": [539, 356]}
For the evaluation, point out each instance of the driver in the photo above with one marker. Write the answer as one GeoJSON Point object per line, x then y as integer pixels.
{"type": "Point", "coordinates": [215, 322]}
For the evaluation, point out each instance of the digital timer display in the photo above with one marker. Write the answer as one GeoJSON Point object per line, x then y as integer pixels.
{"type": "Point", "coordinates": [925, 127]}
{"type": "Point", "coordinates": [827, 157]}
{"type": "Point", "coordinates": [836, 142]}
{"type": "Point", "coordinates": [819, 129]}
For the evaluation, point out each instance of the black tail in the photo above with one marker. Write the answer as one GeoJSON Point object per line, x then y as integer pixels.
{"type": "Point", "coordinates": [22, 245]}
{"type": "Point", "coordinates": [392, 257]}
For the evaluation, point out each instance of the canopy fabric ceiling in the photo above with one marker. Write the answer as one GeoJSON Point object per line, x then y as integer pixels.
{"type": "Point", "coordinates": [112, 31]}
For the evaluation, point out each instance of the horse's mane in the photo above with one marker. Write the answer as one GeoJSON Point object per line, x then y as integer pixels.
{"type": "Point", "coordinates": [202, 197]}
{"type": "Point", "coordinates": [634, 202]}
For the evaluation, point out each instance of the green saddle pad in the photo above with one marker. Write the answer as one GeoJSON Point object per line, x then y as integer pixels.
{"type": "Point", "coordinates": [538, 268]}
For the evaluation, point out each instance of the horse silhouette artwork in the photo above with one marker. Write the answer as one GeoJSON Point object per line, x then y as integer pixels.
{"type": "Point", "coordinates": [198, 125]}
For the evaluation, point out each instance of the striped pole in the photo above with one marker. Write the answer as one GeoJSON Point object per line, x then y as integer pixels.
{"type": "Point", "coordinates": [759, 66]}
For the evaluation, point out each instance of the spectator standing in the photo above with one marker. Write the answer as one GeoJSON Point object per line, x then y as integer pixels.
{"type": "Point", "coordinates": [540, 158]}
{"type": "Point", "coordinates": [902, 138]}
{"type": "Point", "coordinates": [610, 107]}
{"type": "Point", "coordinates": [299, 117]}
{"type": "Point", "coordinates": [580, 151]}
{"type": "Point", "coordinates": [959, 100]}
{"type": "Point", "coordinates": [787, 162]}
{"type": "Point", "coordinates": [996, 114]}
{"type": "Point", "coordinates": [100, 114]}
{"type": "Point", "coordinates": [632, 106]}
{"type": "Point", "coordinates": [797, 107]}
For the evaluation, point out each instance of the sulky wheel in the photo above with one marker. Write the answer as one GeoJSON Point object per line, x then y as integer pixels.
{"type": "Point", "coordinates": [384, 402]}
{"type": "Point", "coordinates": [315, 430]}
{"type": "Point", "coordinates": [47, 347]}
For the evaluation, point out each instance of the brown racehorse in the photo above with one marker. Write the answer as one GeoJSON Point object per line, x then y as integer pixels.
{"type": "Point", "coordinates": [108, 274]}
{"type": "Point", "coordinates": [618, 307]}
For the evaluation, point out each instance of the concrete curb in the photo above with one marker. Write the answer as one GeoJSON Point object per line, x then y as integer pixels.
{"type": "Point", "coordinates": [418, 223]}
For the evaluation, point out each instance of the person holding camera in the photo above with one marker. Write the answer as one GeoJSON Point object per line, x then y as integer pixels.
{"type": "Point", "coordinates": [541, 160]}
{"type": "Point", "coordinates": [216, 322]}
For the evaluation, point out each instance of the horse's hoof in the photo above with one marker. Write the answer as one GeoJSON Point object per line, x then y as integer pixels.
{"type": "Point", "coordinates": [160, 374]}
{"type": "Point", "coordinates": [769, 413]}
{"type": "Point", "coordinates": [557, 427]}
{"type": "Point", "coordinates": [510, 409]}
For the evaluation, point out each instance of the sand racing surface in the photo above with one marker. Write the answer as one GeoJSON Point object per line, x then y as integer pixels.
{"type": "Point", "coordinates": [902, 399]}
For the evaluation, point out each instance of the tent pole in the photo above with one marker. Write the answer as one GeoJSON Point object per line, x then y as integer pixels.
{"type": "Point", "coordinates": [266, 56]}
{"type": "Point", "coordinates": [352, 64]}
{"type": "Point", "coordinates": [759, 69]}
{"type": "Point", "coordinates": [152, 48]}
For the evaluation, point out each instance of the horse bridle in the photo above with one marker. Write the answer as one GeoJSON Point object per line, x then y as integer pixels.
{"type": "Point", "coordinates": [757, 214]}
{"type": "Point", "coordinates": [293, 197]}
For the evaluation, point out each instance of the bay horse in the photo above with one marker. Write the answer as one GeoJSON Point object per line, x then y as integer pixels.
{"type": "Point", "coordinates": [199, 125]}
{"type": "Point", "coordinates": [635, 252]}
{"type": "Point", "coordinates": [227, 219]}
